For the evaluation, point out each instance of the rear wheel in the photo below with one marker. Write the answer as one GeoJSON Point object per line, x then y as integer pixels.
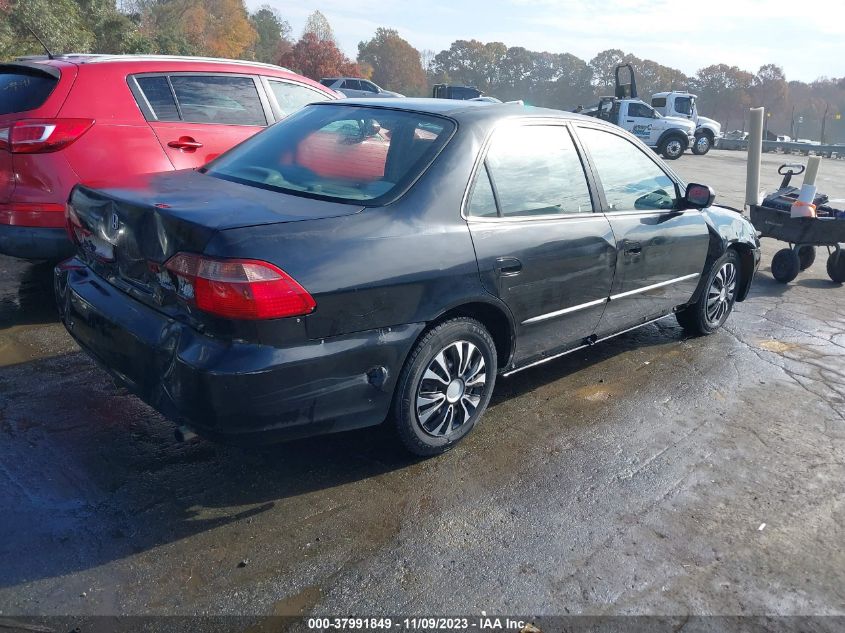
{"type": "Point", "coordinates": [785, 265]}
{"type": "Point", "coordinates": [671, 148]}
{"type": "Point", "coordinates": [445, 386]}
{"type": "Point", "coordinates": [716, 302]}
{"type": "Point", "coordinates": [806, 256]}
{"type": "Point", "coordinates": [702, 145]}
{"type": "Point", "coordinates": [836, 267]}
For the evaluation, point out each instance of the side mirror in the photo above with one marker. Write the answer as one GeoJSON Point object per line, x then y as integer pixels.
{"type": "Point", "coordinates": [699, 196]}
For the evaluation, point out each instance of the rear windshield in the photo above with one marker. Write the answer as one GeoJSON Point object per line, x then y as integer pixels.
{"type": "Point", "coordinates": [327, 82]}
{"type": "Point", "coordinates": [355, 154]}
{"type": "Point", "coordinates": [22, 90]}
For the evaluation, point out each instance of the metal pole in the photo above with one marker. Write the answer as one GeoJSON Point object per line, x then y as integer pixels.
{"type": "Point", "coordinates": [824, 121]}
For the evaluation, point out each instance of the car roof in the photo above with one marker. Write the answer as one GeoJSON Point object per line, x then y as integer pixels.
{"type": "Point", "coordinates": [461, 109]}
{"type": "Point", "coordinates": [93, 58]}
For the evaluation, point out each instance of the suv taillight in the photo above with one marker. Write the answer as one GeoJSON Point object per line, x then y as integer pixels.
{"type": "Point", "coordinates": [38, 136]}
{"type": "Point", "coordinates": [238, 288]}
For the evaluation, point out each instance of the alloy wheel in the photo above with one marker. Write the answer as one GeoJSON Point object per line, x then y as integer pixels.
{"type": "Point", "coordinates": [720, 295]}
{"type": "Point", "coordinates": [451, 389]}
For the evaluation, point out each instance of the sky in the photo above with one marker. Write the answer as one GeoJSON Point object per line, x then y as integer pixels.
{"type": "Point", "coordinates": [806, 38]}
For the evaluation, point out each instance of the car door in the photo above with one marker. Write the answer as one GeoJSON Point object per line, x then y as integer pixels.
{"type": "Point", "coordinates": [369, 89]}
{"type": "Point", "coordinates": [352, 88]}
{"type": "Point", "coordinates": [661, 248]}
{"type": "Point", "coordinates": [540, 245]}
{"type": "Point", "coordinates": [198, 116]}
{"type": "Point", "coordinates": [640, 121]}
{"type": "Point", "coordinates": [286, 97]}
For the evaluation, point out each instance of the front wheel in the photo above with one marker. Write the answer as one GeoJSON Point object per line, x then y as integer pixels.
{"type": "Point", "coordinates": [716, 302]}
{"type": "Point", "coordinates": [445, 386]}
{"type": "Point", "coordinates": [671, 148]}
{"type": "Point", "coordinates": [786, 264]}
{"type": "Point", "coordinates": [702, 145]}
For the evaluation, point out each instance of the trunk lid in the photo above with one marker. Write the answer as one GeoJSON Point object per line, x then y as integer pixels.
{"type": "Point", "coordinates": [127, 235]}
{"type": "Point", "coordinates": [28, 90]}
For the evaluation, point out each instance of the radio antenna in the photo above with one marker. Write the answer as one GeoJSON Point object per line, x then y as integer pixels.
{"type": "Point", "coordinates": [40, 41]}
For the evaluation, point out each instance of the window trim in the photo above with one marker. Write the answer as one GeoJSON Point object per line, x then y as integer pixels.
{"type": "Point", "coordinates": [266, 80]}
{"type": "Point", "coordinates": [481, 160]}
{"type": "Point", "coordinates": [150, 116]}
{"type": "Point", "coordinates": [649, 153]}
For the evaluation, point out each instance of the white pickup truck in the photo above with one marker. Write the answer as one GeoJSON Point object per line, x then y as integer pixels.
{"type": "Point", "coordinates": [682, 104]}
{"type": "Point", "coordinates": [668, 136]}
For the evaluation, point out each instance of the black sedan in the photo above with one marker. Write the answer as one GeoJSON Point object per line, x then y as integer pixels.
{"type": "Point", "coordinates": [372, 260]}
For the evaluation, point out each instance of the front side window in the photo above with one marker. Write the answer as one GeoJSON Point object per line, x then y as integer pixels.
{"type": "Point", "coordinates": [683, 105]}
{"type": "Point", "coordinates": [217, 99]}
{"type": "Point", "coordinates": [291, 97]}
{"type": "Point", "coordinates": [366, 85]}
{"type": "Point", "coordinates": [640, 110]}
{"type": "Point", "coordinates": [351, 154]}
{"type": "Point", "coordinates": [632, 181]}
{"type": "Point", "coordinates": [537, 171]}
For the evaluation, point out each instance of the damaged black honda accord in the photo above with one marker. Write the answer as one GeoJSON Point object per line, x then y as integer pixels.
{"type": "Point", "coordinates": [373, 260]}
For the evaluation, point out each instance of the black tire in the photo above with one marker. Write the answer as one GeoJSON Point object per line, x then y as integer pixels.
{"type": "Point", "coordinates": [702, 144]}
{"type": "Point", "coordinates": [836, 267]}
{"type": "Point", "coordinates": [713, 307]}
{"type": "Point", "coordinates": [806, 256]}
{"type": "Point", "coordinates": [785, 265]}
{"type": "Point", "coordinates": [438, 432]}
{"type": "Point", "coordinates": [672, 147]}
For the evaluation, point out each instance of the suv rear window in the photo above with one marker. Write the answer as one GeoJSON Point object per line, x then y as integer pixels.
{"type": "Point", "coordinates": [352, 154]}
{"type": "Point", "coordinates": [24, 89]}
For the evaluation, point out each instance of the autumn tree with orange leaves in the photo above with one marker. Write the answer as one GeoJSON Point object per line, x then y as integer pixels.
{"type": "Point", "coordinates": [317, 58]}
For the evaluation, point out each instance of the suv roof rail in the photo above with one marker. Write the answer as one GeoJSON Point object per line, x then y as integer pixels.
{"type": "Point", "coordinates": [93, 58]}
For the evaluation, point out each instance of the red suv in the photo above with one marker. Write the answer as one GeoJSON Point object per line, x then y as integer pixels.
{"type": "Point", "coordinates": [98, 118]}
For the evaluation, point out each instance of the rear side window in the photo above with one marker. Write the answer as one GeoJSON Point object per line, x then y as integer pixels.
{"type": "Point", "coordinates": [160, 97]}
{"type": "Point", "coordinates": [214, 99]}
{"type": "Point", "coordinates": [291, 97]}
{"type": "Point", "coordinates": [659, 102]}
{"type": "Point", "coordinates": [354, 154]}
{"type": "Point", "coordinates": [537, 171]}
{"type": "Point", "coordinates": [352, 84]}
{"type": "Point", "coordinates": [22, 90]}
{"type": "Point", "coordinates": [222, 100]}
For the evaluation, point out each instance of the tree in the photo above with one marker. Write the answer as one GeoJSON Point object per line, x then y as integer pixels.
{"type": "Point", "coordinates": [273, 35]}
{"type": "Point", "coordinates": [396, 64]}
{"type": "Point", "coordinates": [603, 66]}
{"type": "Point", "coordinates": [317, 58]}
{"type": "Point", "coordinates": [472, 62]}
{"type": "Point", "coordinates": [219, 28]}
{"type": "Point", "coordinates": [724, 91]}
{"type": "Point", "coordinates": [59, 23]}
{"type": "Point", "coordinates": [318, 25]}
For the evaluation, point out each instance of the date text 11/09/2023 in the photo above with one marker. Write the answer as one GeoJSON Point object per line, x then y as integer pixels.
{"type": "Point", "coordinates": [481, 623]}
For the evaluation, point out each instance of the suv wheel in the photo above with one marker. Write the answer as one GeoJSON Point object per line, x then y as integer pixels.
{"type": "Point", "coordinates": [702, 145]}
{"type": "Point", "coordinates": [445, 386]}
{"type": "Point", "coordinates": [716, 302]}
{"type": "Point", "coordinates": [671, 148]}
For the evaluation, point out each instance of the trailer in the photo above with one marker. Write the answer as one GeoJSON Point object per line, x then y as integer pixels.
{"type": "Point", "coordinates": [804, 235]}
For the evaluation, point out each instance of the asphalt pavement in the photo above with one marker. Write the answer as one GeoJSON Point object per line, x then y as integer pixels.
{"type": "Point", "coordinates": [651, 474]}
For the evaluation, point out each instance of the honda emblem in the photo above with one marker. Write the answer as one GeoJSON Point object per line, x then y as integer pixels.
{"type": "Point", "coordinates": [115, 222]}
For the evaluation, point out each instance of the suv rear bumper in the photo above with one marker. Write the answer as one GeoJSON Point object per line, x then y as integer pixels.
{"type": "Point", "coordinates": [35, 242]}
{"type": "Point", "coordinates": [232, 391]}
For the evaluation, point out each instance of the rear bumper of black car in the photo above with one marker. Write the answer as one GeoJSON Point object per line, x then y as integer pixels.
{"type": "Point", "coordinates": [35, 242]}
{"type": "Point", "coordinates": [232, 391]}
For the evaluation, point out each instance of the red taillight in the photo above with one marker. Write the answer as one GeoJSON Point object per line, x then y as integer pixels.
{"type": "Point", "coordinates": [44, 215]}
{"type": "Point", "coordinates": [239, 288]}
{"type": "Point", "coordinates": [38, 136]}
